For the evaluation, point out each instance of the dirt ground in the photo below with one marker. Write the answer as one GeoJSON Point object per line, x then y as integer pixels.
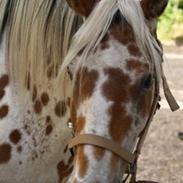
{"type": "Point", "coordinates": [162, 155]}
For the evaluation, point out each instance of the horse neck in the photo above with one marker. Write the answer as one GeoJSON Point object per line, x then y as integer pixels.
{"type": "Point", "coordinates": [33, 118]}
{"type": "Point", "coordinates": [34, 131]}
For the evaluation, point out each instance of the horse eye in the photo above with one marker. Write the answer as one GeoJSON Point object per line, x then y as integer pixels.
{"type": "Point", "coordinates": [146, 82]}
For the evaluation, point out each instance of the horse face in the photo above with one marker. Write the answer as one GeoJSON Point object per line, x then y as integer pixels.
{"type": "Point", "coordinates": [112, 98]}
{"type": "Point", "coordinates": [112, 102]}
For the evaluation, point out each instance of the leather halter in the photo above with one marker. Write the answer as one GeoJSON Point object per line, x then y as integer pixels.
{"type": "Point", "coordinates": [123, 153]}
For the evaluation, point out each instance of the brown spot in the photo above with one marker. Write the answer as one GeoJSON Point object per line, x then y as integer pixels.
{"type": "Point", "coordinates": [65, 149]}
{"type": "Point", "coordinates": [34, 155]}
{"type": "Point", "coordinates": [49, 129]}
{"type": "Point", "coordinates": [60, 109]}
{"type": "Point", "coordinates": [120, 122]}
{"type": "Point", "coordinates": [37, 107]}
{"type": "Point", "coordinates": [4, 81]}
{"type": "Point", "coordinates": [84, 88]}
{"type": "Point", "coordinates": [82, 160]}
{"type": "Point", "coordinates": [2, 93]}
{"type": "Point", "coordinates": [19, 149]}
{"type": "Point", "coordinates": [136, 65]}
{"type": "Point", "coordinates": [116, 89]}
{"type": "Point", "coordinates": [48, 119]}
{"type": "Point", "coordinates": [122, 32]}
{"type": "Point", "coordinates": [28, 81]}
{"type": "Point", "coordinates": [44, 98]}
{"type": "Point", "coordinates": [5, 153]}
{"type": "Point", "coordinates": [34, 93]}
{"type": "Point", "coordinates": [87, 83]}
{"type": "Point", "coordinates": [15, 136]}
{"type": "Point", "coordinates": [80, 124]}
{"type": "Point", "coordinates": [4, 111]}
{"type": "Point", "coordinates": [99, 153]}
{"type": "Point", "coordinates": [25, 127]}
{"type": "Point", "coordinates": [134, 50]}
{"type": "Point", "coordinates": [63, 170]}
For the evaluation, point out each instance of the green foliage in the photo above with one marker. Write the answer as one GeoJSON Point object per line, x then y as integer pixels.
{"type": "Point", "coordinates": [180, 5]}
{"type": "Point", "coordinates": [171, 23]}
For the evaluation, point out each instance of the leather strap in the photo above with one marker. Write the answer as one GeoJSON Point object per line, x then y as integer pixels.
{"type": "Point", "coordinates": [148, 123]}
{"type": "Point", "coordinates": [103, 143]}
{"type": "Point", "coordinates": [144, 132]}
{"type": "Point", "coordinates": [169, 97]}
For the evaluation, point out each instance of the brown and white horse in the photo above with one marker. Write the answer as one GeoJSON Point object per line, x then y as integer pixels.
{"type": "Point", "coordinates": [107, 80]}
{"type": "Point", "coordinates": [116, 60]}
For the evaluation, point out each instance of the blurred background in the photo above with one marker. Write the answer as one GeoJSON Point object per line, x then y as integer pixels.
{"type": "Point", "coordinates": [162, 155]}
{"type": "Point", "coordinates": [170, 25]}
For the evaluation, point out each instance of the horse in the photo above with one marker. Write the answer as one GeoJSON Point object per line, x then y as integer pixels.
{"type": "Point", "coordinates": [34, 39]}
{"type": "Point", "coordinates": [60, 77]}
{"type": "Point", "coordinates": [116, 64]}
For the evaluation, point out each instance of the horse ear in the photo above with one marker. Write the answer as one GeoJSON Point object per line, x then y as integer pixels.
{"type": "Point", "coordinates": [153, 8]}
{"type": "Point", "coordinates": [82, 7]}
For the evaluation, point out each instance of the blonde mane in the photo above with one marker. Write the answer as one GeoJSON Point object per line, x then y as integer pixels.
{"type": "Point", "coordinates": [38, 37]}
{"type": "Point", "coordinates": [94, 29]}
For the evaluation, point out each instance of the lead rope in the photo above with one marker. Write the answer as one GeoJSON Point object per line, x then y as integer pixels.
{"type": "Point", "coordinates": [168, 95]}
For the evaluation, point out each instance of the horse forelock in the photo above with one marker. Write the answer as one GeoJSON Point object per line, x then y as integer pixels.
{"type": "Point", "coordinates": [94, 30]}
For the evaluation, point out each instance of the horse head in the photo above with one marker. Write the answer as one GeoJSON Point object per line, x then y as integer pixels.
{"type": "Point", "coordinates": [117, 60]}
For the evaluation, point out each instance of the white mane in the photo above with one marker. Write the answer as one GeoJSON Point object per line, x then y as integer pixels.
{"type": "Point", "coordinates": [38, 37]}
{"type": "Point", "coordinates": [39, 32]}
{"type": "Point", "coordinates": [97, 25]}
